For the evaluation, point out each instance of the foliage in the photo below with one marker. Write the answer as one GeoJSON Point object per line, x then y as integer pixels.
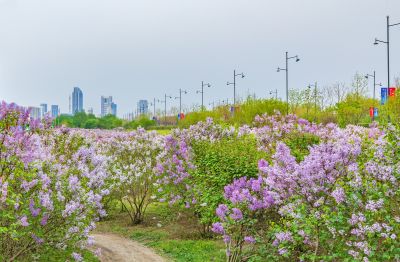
{"type": "Point", "coordinates": [244, 112]}
{"type": "Point", "coordinates": [133, 157]}
{"type": "Point", "coordinates": [52, 183]}
{"type": "Point", "coordinates": [218, 164]}
{"type": "Point", "coordinates": [143, 122]}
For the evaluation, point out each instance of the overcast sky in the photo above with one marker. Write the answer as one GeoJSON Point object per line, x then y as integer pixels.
{"type": "Point", "coordinates": [133, 49]}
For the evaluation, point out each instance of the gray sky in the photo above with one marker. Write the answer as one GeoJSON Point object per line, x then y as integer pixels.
{"type": "Point", "coordinates": [133, 49]}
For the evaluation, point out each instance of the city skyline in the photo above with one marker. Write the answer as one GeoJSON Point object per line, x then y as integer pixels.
{"type": "Point", "coordinates": [142, 56]}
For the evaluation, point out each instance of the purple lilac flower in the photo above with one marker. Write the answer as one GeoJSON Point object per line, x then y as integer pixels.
{"type": "Point", "coordinates": [236, 214]}
{"type": "Point", "coordinates": [77, 256]}
{"type": "Point", "coordinates": [24, 221]}
{"type": "Point", "coordinates": [339, 195]}
{"type": "Point", "coordinates": [221, 211]}
{"type": "Point", "coordinates": [249, 239]}
{"type": "Point", "coordinates": [218, 228]}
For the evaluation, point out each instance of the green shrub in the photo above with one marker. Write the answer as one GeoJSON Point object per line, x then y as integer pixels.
{"type": "Point", "coordinates": [217, 165]}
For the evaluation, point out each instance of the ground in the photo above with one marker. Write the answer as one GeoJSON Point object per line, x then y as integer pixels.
{"type": "Point", "coordinates": [119, 249]}
{"type": "Point", "coordinates": [169, 232]}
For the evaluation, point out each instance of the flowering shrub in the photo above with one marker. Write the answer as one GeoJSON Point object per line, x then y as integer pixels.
{"type": "Point", "coordinates": [51, 186]}
{"type": "Point", "coordinates": [131, 166]}
{"type": "Point", "coordinates": [339, 203]}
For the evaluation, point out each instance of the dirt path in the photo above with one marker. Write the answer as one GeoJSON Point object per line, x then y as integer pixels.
{"type": "Point", "coordinates": [118, 249]}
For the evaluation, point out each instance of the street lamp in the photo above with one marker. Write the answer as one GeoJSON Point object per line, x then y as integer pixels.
{"type": "Point", "coordinates": [387, 42]}
{"type": "Point", "coordinates": [287, 77]}
{"type": "Point", "coordinates": [202, 93]}
{"type": "Point", "coordinates": [154, 106]}
{"type": "Point", "coordinates": [234, 85]}
{"type": "Point", "coordinates": [375, 84]}
{"type": "Point", "coordinates": [315, 98]}
{"type": "Point", "coordinates": [274, 92]}
{"type": "Point", "coordinates": [180, 99]}
{"type": "Point", "coordinates": [165, 106]}
{"type": "Point", "coordinates": [212, 104]}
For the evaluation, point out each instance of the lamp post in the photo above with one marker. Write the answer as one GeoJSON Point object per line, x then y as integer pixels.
{"type": "Point", "coordinates": [387, 42]}
{"type": "Point", "coordinates": [315, 98]}
{"type": "Point", "coordinates": [154, 106]}
{"type": "Point", "coordinates": [165, 106]}
{"type": "Point", "coordinates": [234, 85]}
{"type": "Point", "coordinates": [180, 99]}
{"type": "Point", "coordinates": [367, 76]}
{"type": "Point", "coordinates": [375, 85]}
{"type": "Point", "coordinates": [287, 77]}
{"type": "Point", "coordinates": [274, 92]}
{"type": "Point", "coordinates": [202, 93]}
{"type": "Point", "coordinates": [212, 104]}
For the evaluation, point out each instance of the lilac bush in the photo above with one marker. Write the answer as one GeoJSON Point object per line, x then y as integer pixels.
{"type": "Point", "coordinates": [52, 184]}
{"type": "Point", "coordinates": [132, 159]}
{"type": "Point", "coordinates": [339, 203]}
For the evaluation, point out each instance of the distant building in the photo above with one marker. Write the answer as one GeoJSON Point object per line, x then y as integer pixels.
{"type": "Point", "coordinates": [77, 100]}
{"type": "Point", "coordinates": [114, 109]}
{"type": "Point", "coordinates": [107, 106]}
{"type": "Point", "coordinates": [43, 109]}
{"type": "Point", "coordinates": [55, 111]}
{"type": "Point", "coordinates": [35, 113]}
{"type": "Point", "coordinates": [143, 107]}
{"type": "Point", "coordinates": [90, 111]}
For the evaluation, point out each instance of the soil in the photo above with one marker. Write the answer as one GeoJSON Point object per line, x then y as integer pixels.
{"type": "Point", "coordinates": [118, 249]}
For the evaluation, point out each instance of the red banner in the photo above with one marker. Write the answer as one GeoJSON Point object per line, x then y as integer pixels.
{"type": "Point", "coordinates": [392, 91]}
{"type": "Point", "coordinates": [371, 112]}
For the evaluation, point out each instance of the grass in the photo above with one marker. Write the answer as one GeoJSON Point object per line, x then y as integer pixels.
{"type": "Point", "coordinates": [169, 232]}
{"type": "Point", "coordinates": [55, 255]}
{"type": "Point", "coordinates": [163, 131]}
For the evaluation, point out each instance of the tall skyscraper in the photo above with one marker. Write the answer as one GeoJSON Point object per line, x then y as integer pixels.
{"type": "Point", "coordinates": [55, 111]}
{"type": "Point", "coordinates": [107, 106]}
{"type": "Point", "coordinates": [43, 108]}
{"type": "Point", "coordinates": [77, 100]}
{"type": "Point", "coordinates": [143, 107]}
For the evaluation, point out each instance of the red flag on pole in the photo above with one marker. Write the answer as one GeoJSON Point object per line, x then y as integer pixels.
{"type": "Point", "coordinates": [392, 91]}
{"type": "Point", "coordinates": [371, 112]}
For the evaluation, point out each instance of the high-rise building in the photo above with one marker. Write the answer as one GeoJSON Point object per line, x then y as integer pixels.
{"type": "Point", "coordinates": [55, 111]}
{"type": "Point", "coordinates": [114, 109]}
{"type": "Point", "coordinates": [43, 108]}
{"type": "Point", "coordinates": [143, 107]}
{"type": "Point", "coordinates": [107, 106]}
{"type": "Point", "coordinates": [34, 112]}
{"type": "Point", "coordinates": [77, 100]}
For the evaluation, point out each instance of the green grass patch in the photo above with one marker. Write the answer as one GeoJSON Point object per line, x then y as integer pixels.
{"type": "Point", "coordinates": [181, 249]}
{"type": "Point", "coordinates": [56, 255]}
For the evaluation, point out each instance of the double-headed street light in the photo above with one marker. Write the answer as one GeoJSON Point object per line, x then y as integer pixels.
{"type": "Point", "coordinates": [274, 92]}
{"type": "Point", "coordinates": [154, 106]}
{"type": "Point", "coordinates": [180, 99]}
{"type": "Point", "coordinates": [202, 93]}
{"type": "Point", "coordinates": [367, 76]}
{"type": "Point", "coordinates": [165, 106]}
{"type": "Point", "coordinates": [287, 77]}
{"type": "Point", "coordinates": [387, 42]}
{"type": "Point", "coordinates": [234, 85]}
